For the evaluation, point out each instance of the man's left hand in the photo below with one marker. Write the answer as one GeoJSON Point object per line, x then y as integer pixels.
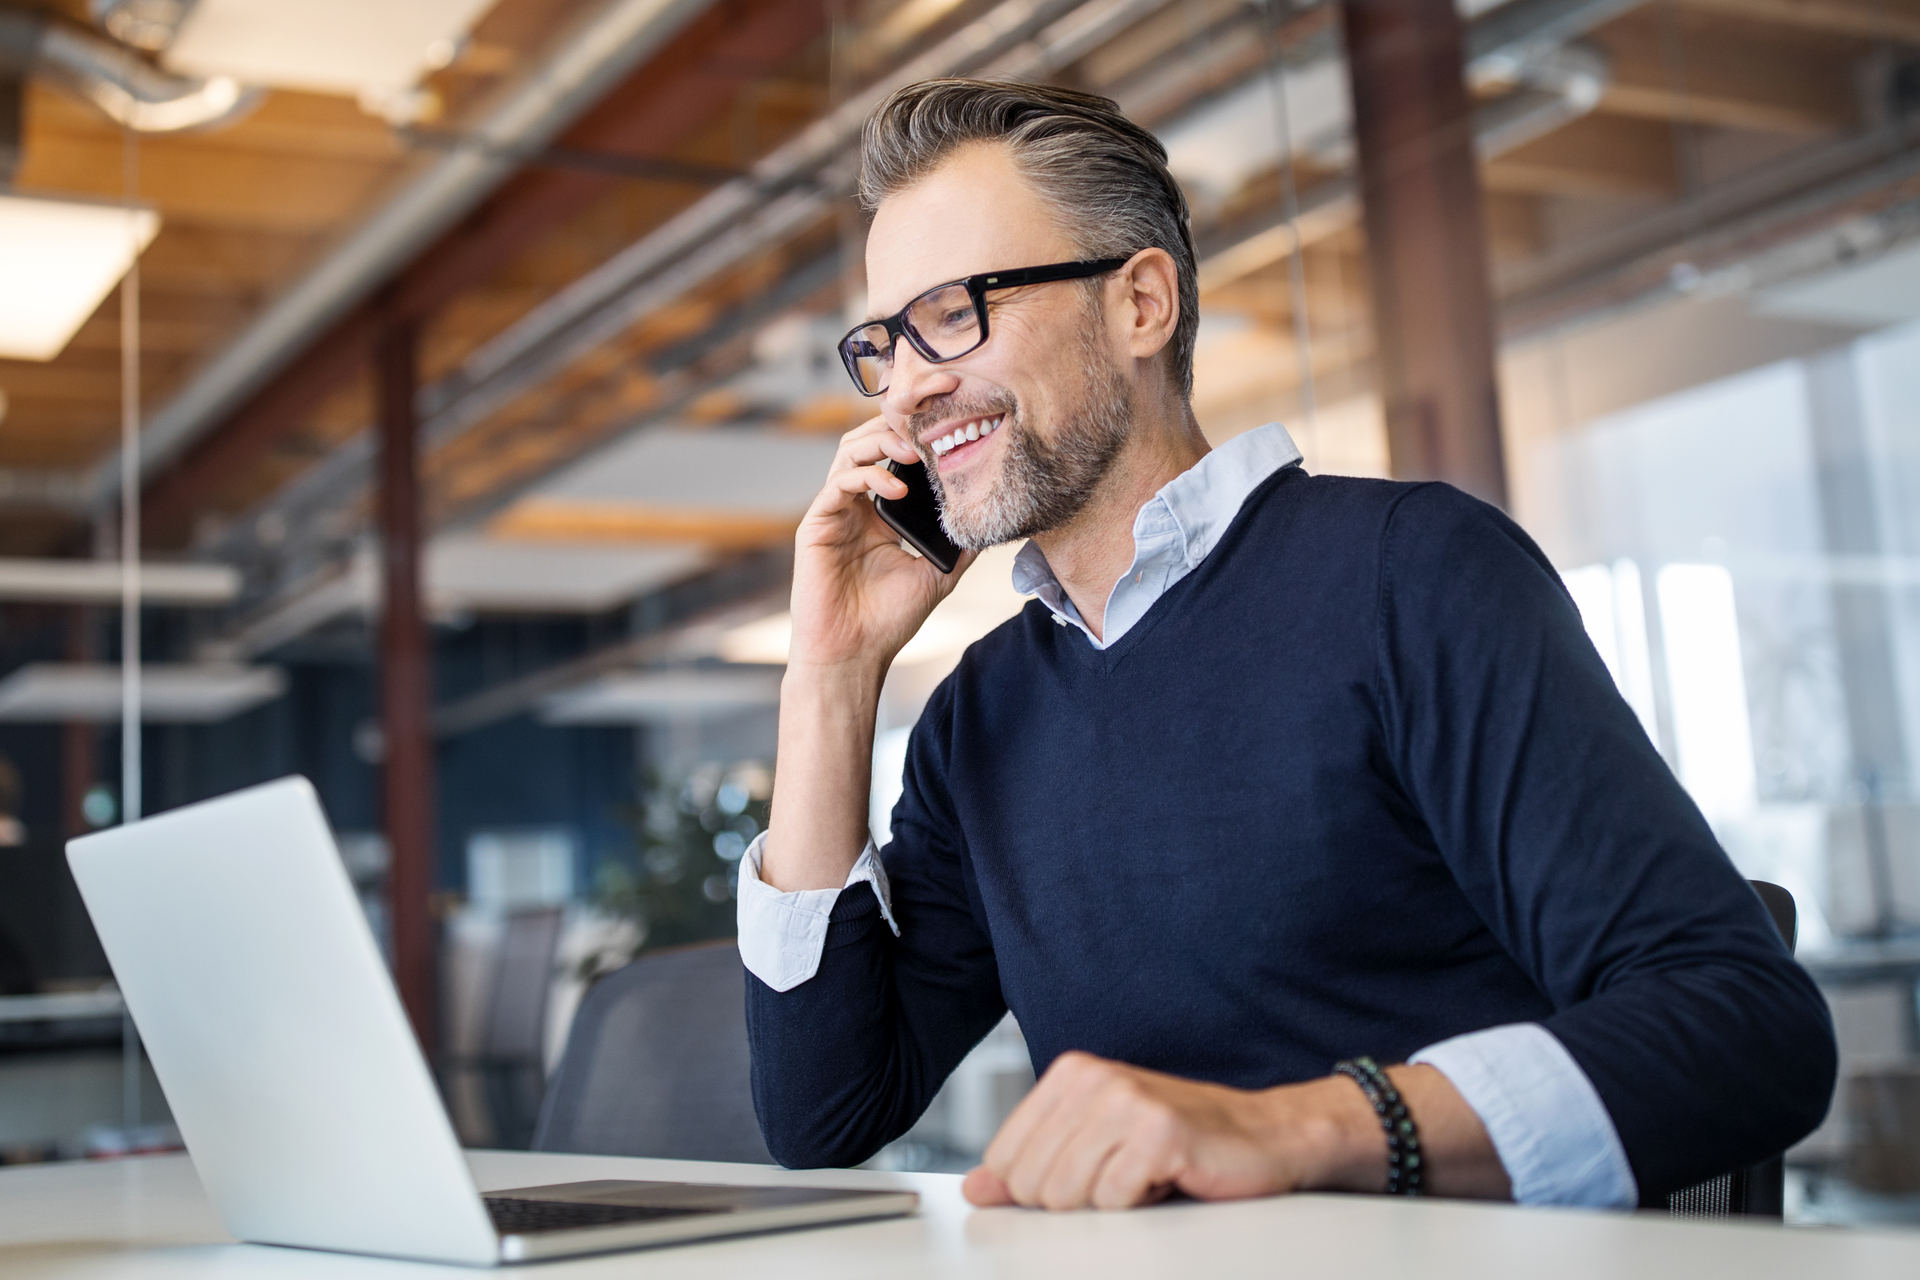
{"type": "Point", "coordinates": [1100, 1134]}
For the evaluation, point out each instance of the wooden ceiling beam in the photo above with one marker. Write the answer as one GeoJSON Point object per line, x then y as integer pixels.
{"type": "Point", "coordinates": [1870, 20]}
{"type": "Point", "coordinates": [244, 262]}
{"type": "Point", "coordinates": [1720, 77]}
{"type": "Point", "coordinates": [698, 74]}
{"type": "Point", "coordinates": [233, 189]}
{"type": "Point", "coordinates": [285, 123]}
{"type": "Point", "coordinates": [1595, 155]}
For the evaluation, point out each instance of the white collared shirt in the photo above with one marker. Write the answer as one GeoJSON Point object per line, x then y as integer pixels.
{"type": "Point", "coordinates": [1546, 1120]}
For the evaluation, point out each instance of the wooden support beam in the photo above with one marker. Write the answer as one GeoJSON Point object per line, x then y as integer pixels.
{"type": "Point", "coordinates": [1895, 21]}
{"type": "Point", "coordinates": [578, 520]}
{"type": "Point", "coordinates": [210, 186]}
{"type": "Point", "coordinates": [1593, 156]}
{"type": "Point", "coordinates": [1703, 72]}
{"type": "Point", "coordinates": [1426, 246]}
{"type": "Point", "coordinates": [406, 682]}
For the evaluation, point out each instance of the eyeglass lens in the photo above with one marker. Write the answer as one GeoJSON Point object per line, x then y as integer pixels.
{"type": "Point", "coordinates": [944, 321]}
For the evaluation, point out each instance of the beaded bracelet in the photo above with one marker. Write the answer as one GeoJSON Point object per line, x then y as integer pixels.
{"type": "Point", "coordinates": [1403, 1138]}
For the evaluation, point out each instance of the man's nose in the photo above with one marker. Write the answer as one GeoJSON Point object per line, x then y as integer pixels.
{"type": "Point", "coordinates": [914, 381]}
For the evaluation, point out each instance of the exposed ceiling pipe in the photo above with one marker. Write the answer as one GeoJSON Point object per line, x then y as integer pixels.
{"type": "Point", "coordinates": [116, 79]}
{"type": "Point", "coordinates": [589, 62]}
{"type": "Point", "coordinates": [1552, 87]}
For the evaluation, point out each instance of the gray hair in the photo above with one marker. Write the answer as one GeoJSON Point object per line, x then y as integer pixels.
{"type": "Point", "coordinates": [1105, 175]}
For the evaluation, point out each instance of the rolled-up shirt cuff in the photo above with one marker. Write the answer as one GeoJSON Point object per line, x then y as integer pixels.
{"type": "Point", "coordinates": [1547, 1122]}
{"type": "Point", "coordinates": [782, 935]}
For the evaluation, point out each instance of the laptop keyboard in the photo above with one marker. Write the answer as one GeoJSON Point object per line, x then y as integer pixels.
{"type": "Point", "coordinates": [518, 1217]}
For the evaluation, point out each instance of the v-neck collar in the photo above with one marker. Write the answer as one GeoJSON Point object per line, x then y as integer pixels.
{"type": "Point", "coordinates": [1172, 533]}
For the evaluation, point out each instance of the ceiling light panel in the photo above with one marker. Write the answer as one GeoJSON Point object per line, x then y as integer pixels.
{"type": "Point", "coordinates": [327, 46]}
{"type": "Point", "coordinates": [59, 258]}
{"type": "Point", "coordinates": [170, 693]}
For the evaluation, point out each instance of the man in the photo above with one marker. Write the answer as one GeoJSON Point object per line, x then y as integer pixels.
{"type": "Point", "coordinates": [1278, 771]}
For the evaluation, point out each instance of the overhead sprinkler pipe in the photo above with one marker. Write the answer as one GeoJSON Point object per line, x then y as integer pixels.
{"type": "Point", "coordinates": [117, 80]}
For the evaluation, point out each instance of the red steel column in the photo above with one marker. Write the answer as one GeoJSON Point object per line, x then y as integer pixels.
{"type": "Point", "coordinates": [406, 686]}
{"type": "Point", "coordinates": [1426, 248]}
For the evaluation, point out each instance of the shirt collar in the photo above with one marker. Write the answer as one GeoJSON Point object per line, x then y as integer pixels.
{"type": "Point", "coordinates": [1199, 503]}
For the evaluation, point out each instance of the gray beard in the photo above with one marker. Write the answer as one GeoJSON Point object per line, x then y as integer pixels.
{"type": "Point", "coordinates": [1042, 485]}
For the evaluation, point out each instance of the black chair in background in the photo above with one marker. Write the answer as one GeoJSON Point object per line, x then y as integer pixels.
{"type": "Point", "coordinates": [1759, 1190]}
{"type": "Point", "coordinates": [657, 1064]}
{"type": "Point", "coordinates": [511, 1058]}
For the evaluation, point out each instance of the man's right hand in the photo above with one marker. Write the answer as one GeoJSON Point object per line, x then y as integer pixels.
{"type": "Point", "coordinates": [857, 600]}
{"type": "Point", "coordinates": [857, 597]}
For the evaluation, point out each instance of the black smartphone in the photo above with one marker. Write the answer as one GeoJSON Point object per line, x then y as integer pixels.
{"type": "Point", "coordinates": [916, 517]}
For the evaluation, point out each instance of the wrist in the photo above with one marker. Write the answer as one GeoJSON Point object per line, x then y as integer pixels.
{"type": "Point", "coordinates": [1338, 1136]}
{"type": "Point", "coordinates": [849, 678]}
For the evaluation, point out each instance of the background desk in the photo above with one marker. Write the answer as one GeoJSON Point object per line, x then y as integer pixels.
{"type": "Point", "coordinates": [147, 1218]}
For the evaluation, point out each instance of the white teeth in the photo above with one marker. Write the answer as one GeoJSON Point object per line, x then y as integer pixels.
{"type": "Point", "coordinates": [974, 430]}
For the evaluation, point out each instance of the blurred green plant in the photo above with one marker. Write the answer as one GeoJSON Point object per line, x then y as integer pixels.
{"type": "Point", "coordinates": [691, 833]}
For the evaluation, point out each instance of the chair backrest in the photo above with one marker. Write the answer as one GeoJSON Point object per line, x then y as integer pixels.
{"type": "Point", "coordinates": [516, 1029]}
{"type": "Point", "coordinates": [1759, 1190]}
{"type": "Point", "coordinates": [657, 1064]}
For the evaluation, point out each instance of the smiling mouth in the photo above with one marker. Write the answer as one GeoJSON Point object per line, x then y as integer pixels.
{"type": "Point", "coordinates": [966, 432]}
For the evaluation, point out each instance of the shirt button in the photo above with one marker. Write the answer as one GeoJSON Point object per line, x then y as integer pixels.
{"type": "Point", "coordinates": [1059, 621]}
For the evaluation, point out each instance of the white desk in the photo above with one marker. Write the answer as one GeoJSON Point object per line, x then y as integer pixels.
{"type": "Point", "coordinates": [147, 1218]}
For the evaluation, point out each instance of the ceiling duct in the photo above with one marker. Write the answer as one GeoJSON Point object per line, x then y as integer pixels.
{"type": "Point", "coordinates": [145, 24]}
{"type": "Point", "coordinates": [116, 79]}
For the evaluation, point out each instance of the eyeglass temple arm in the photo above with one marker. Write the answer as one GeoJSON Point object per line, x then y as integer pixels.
{"type": "Point", "coordinates": [1046, 275]}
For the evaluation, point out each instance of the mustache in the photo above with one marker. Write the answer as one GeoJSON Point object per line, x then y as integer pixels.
{"type": "Point", "coordinates": [947, 408]}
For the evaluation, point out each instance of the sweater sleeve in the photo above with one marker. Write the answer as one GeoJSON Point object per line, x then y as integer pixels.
{"type": "Point", "coordinates": [847, 1061]}
{"type": "Point", "coordinates": [1710, 1047]}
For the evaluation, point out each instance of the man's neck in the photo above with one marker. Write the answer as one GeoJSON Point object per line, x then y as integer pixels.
{"type": "Point", "coordinates": [1089, 554]}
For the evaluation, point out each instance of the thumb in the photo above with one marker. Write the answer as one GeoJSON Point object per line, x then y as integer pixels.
{"type": "Point", "coordinates": [984, 1189]}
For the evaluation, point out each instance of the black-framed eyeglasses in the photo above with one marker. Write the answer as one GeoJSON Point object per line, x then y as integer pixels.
{"type": "Point", "coordinates": [945, 322]}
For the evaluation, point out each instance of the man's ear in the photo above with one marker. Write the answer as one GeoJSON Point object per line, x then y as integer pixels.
{"type": "Point", "coordinates": [1150, 283]}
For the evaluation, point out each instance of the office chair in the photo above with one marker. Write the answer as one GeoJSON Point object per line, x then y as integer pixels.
{"type": "Point", "coordinates": [511, 1059]}
{"type": "Point", "coordinates": [1759, 1190]}
{"type": "Point", "coordinates": [657, 1063]}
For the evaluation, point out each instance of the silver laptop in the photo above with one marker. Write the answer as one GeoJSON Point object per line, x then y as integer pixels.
{"type": "Point", "coordinates": [294, 1076]}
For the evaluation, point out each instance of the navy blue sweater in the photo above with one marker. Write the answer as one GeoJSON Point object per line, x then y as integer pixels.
{"type": "Point", "coordinates": [1356, 784]}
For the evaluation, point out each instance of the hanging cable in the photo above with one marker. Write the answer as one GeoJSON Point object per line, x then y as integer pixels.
{"type": "Point", "coordinates": [130, 762]}
{"type": "Point", "coordinates": [1290, 212]}
{"type": "Point", "coordinates": [1685, 274]}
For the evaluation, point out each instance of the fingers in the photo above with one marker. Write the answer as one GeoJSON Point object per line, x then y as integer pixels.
{"type": "Point", "coordinates": [983, 1188]}
{"type": "Point", "coordinates": [1138, 1173]}
{"type": "Point", "coordinates": [860, 480]}
{"type": "Point", "coordinates": [870, 442]}
{"type": "Point", "coordinates": [859, 468]}
{"type": "Point", "coordinates": [1024, 1141]}
{"type": "Point", "coordinates": [1058, 1148]}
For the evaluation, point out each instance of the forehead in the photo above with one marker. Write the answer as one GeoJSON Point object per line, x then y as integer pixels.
{"type": "Point", "coordinates": [974, 213]}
